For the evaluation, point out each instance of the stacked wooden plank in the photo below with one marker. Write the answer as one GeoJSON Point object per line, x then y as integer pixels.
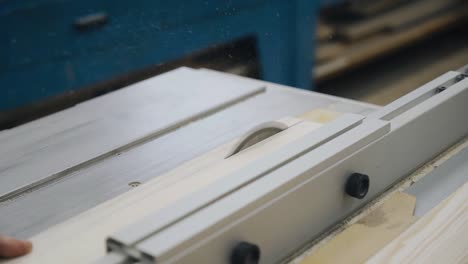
{"type": "Point", "coordinates": [362, 38]}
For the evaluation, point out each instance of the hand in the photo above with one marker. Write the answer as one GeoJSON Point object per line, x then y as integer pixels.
{"type": "Point", "coordinates": [10, 247]}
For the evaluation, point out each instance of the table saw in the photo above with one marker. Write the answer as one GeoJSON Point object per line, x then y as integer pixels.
{"type": "Point", "coordinates": [197, 166]}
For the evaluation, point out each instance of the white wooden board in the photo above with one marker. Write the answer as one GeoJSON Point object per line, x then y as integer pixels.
{"type": "Point", "coordinates": [99, 128]}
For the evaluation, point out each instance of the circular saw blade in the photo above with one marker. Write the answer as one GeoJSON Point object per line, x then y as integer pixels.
{"type": "Point", "coordinates": [257, 134]}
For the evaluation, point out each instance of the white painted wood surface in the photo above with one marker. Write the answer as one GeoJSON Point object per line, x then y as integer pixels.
{"type": "Point", "coordinates": [108, 124]}
{"type": "Point", "coordinates": [82, 238]}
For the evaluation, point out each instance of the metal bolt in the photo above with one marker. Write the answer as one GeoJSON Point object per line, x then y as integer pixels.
{"type": "Point", "coordinates": [440, 89]}
{"type": "Point", "coordinates": [134, 184]}
{"type": "Point", "coordinates": [459, 77]}
{"type": "Point", "coordinates": [357, 185]}
{"type": "Point", "coordinates": [245, 253]}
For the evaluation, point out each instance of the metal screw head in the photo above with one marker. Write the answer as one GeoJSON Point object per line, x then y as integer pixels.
{"type": "Point", "coordinates": [357, 185]}
{"type": "Point", "coordinates": [245, 253]}
{"type": "Point", "coordinates": [459, 77]}
{"type": "Point", "coordinates": [134, 184]}
{"type": "Point", "coordinates": [440, 89]}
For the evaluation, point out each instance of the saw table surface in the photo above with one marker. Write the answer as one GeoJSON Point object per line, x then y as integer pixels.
{"type": "Point", "coordinates": [61, 165]}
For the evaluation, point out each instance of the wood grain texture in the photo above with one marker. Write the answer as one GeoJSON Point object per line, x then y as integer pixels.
{"type": "Point", "coordinates": [82, 238]}
{"type": "Point", "coordinates": [361, 240]}
{"type": "Point", "coordinates": [440, 236]}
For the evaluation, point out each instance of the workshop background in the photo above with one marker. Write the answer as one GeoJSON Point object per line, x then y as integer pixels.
{"type": "Point", "coordinates": [57, 53]}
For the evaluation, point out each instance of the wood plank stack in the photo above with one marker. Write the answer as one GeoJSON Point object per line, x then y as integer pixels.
{"type": "Point", "coordinates": [348, 38]}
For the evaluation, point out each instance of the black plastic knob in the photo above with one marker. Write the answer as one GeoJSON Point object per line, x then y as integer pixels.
{"type": "Point", "coordinates": [440, 89]}
{"type": "Point", "coordinates": [460, 77]}
{"type": "Point", "coordinates": [357, 185]}
{"type": "Point", "coordinates": [245, 253]}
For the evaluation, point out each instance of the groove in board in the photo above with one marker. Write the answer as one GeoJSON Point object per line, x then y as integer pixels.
{"type": "Point", "coordinates": [183, 93]}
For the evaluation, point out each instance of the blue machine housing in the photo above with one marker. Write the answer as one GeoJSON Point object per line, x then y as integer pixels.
{"type": "Point", "coordinates": [44, 54]}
